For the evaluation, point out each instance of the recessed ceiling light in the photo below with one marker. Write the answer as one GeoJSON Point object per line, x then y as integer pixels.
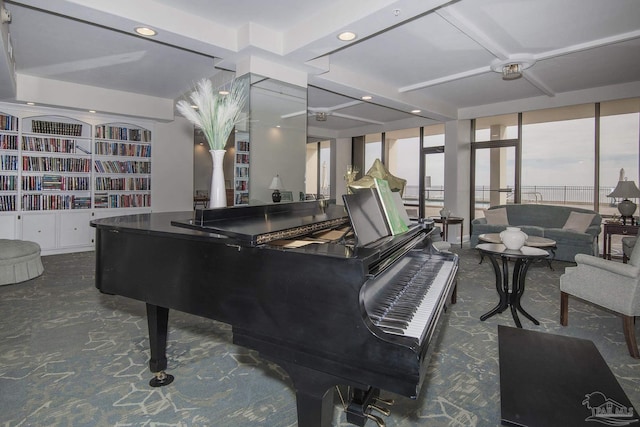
{"type": "Point", "coordinates": [195, 107]}
{"type": "Point", "coordinates": [146, 31]}
{"type": "Point", "coordinates": [31, 103]}
{"type": "Point", "coordinates": [347, 36]}
{"type": "Point", "coordinates": [415, 111]}
{"type": "Point", "coordinates": [92, 111]}
{"type": "Point", "coordinates": [367, 98]}
{"type": "Point", "coordinates": [223, 92]}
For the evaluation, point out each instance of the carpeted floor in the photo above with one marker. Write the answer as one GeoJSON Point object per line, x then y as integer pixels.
{"type": "Point", "coordinates": [70, 356]}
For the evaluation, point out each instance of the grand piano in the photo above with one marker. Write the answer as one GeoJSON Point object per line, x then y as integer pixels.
{"type": "Point", "coordinates": [331, 313]}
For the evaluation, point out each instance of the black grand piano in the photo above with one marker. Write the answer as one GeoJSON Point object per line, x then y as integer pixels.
{"type": "Point", "coordinates": [333, 312]}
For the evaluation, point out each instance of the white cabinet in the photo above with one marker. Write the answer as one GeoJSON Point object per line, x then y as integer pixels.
{"type": "Point", "coordinates": [58, 231]}
{"type": "Point", "coordinates": [7, 226]}
{"type": "Point", "coordinates": [39, 228]}
{"type": "Point", "coordinates": [75, 230]}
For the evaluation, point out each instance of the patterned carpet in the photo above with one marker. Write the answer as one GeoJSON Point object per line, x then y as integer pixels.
{"type": "Point", "coordinates": [70, 356]}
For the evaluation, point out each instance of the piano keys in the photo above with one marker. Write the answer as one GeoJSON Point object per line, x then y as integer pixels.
{"type": "Point", "coordinates": [328, 313]}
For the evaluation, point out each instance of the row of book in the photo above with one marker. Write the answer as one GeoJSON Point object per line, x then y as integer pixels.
{"type": "Point", "coordinates": [122, 184]}
{"type": "Point", "coordinates": [242, 158]}
{"type": "Point", "coordinates": [242, 185]}
{"type": "Point", "coordinates": [8, 162]}
{"type": "Point", "coordinates": [242, 199]}
{"type": "Point", "coordinates": [129, 166]}
{"type": "Point", "coordinates": [56, 128]}
{"type": "Point", "coordinates": [55, 164]}
{"type": "Point", "coordinates": [242, 172]}
{"type": "Point", "coordinates": [53, 145]}
{"type": "Point", "coordinates": [55, 182]}
{"type": "Point", "coordinates": [8, 182]}
{"type": "Point", "coordinates": [122, 149]}
{"type": "Point", "coordinates": [122, 200]}
{"type": "Point", "coordinates": [123, 133]}
{"type": "Point", "coordinates": [8, 142]}
{"type": "Point", "coordinates": [7, 203]}
{"type": "Point", "coordinates": [8, 122]}
{"type": "Point", "coordinates": [50, 202]}
{"type": "Point", "coordinates": [242, 145]}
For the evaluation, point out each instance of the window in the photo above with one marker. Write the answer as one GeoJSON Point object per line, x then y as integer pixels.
{"type": "Point", "coordinates": [494, 156]}
{"type": "Point", "coordinates": [558, 156]}
{"type": "Point", "coordinates": [325, 168]}
{"type": "Point", "coordinates": [403, 160]}
{"type": "Point", "coordinates": [318, 169]}
{"type": "Point", "coordinates": [619, 148]}
{"type": "Point", "coordinates": [433, 152]}
{"type": "Point", "coordinates": [372, 150]}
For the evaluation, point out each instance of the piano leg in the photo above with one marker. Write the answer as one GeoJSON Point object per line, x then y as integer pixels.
{"type": "Point", "coordinates": [314, 394]}
{"type": "Point", "coordinates": [158, 320]}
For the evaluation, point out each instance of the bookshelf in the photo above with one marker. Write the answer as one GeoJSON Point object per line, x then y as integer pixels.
{"type": "Point", "coordinates": [60, 169]}
{"type": "Point", "coordinates": [241, 171]}
{"type": "Point", "coordinates": [122, 166]}
{"type": "Point", "coordinates": [8, 162]}
{"type": "Point", "coordinates": [55, 164]}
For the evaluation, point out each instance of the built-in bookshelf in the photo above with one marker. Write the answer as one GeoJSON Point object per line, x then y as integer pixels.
{"type": "Point", "coordinates": [122, 166]}
{"type": "Point", "coordinates": [241, 173]}
{"type": "Point", "coordinates": [8, 162]}
{"type": "Point", "coordinates": [55, 164]}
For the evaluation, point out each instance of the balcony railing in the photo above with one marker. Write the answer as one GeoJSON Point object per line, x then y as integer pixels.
{"type": "Point", "coordinates": [570, 195]}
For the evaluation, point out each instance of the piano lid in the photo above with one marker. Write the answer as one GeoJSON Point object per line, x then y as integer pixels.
{"type": "Point", "coordinates": [256, 225]}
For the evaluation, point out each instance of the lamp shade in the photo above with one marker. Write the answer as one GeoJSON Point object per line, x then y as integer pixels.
{"type": "Point", "coordinates": [625, 190]}
{"type": "Point", "coordinates": [276, 183]}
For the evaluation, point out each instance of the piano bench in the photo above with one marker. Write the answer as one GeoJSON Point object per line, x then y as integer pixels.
{"type": "Point", "coordinates": [19, 261]}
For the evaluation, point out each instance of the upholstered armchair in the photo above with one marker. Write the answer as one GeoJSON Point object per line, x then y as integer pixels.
{"type": "Point", "coordinates": [609, 284]}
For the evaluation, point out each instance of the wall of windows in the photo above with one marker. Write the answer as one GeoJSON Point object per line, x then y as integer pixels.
{"type": "Point", "coordinates": [619, 147]}
{"type": "Point", "coordinates": [558, 156]}
{"type": "Point", "coordinates": [568, 156]}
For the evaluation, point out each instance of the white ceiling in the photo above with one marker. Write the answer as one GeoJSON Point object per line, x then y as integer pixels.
{"type": "Point", "coordinates": [431, 55]}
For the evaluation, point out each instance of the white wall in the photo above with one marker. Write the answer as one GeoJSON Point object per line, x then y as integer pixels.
{"type": "Point", "coordinates": [276, 150]}
{"type": "Point", "coordinates": [457, 174]}
{"type": "Point", "coordinates": [172, 166]}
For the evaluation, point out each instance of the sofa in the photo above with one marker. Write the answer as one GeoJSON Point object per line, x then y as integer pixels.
{"type": "Point", "coordinates": [575, 230]}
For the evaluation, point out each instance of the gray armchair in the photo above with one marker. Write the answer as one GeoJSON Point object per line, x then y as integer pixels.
{"type": "Point", "coordinates": [609, 284]}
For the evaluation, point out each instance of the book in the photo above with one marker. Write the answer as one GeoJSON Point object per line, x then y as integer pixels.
{"type": "Point", "coordinates": [395, 221]}
{"type": "Point", "coordinates": [397, 198]}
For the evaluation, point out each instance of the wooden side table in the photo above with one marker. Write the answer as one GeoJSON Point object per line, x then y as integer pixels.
{"type": "Point", "coordinates": [611, 228]}
{"type": "Point", "coordinates": [445, 226]}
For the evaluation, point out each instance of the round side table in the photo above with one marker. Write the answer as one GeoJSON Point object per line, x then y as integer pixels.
{"type": "Point", "coordinates": [510, 295]}
{"type": "Point", "coordinates": [450, 220]}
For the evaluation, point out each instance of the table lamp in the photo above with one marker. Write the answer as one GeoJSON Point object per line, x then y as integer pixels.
{"type": "Point", "coordinates": [276, 186]}
{"type": "Point", "coordinates": [626, 189]}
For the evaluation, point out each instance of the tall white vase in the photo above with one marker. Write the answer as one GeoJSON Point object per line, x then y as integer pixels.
{"type": "Point", "coordinates": [218, 195]}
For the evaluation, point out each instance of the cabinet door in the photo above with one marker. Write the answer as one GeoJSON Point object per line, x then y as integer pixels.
{"type": "Point", "coordinates": [75, 229]}
{"type": "Point", "coordinates": [40, 228]}
{"type": "Point", "coordinates": [8, 226]}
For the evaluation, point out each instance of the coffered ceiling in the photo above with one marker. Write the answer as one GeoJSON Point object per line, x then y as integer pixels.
{"type": "Point", "coordinates": [440, 57]}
